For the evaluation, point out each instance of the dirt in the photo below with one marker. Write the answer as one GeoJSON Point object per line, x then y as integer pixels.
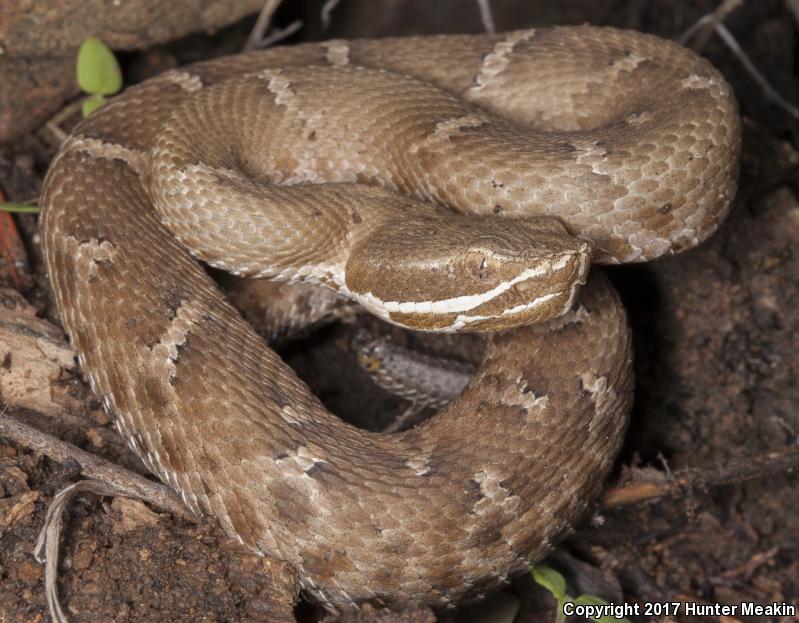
{"type": "Point", "coordinates": [716, 333]}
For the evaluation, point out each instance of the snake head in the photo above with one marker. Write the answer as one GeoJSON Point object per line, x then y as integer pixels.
{"type": "Point", "coordinates": [468, 273]}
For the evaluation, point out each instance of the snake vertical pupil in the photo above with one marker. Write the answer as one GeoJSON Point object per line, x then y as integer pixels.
{"type": "Point", "coordinates": [479, 267]}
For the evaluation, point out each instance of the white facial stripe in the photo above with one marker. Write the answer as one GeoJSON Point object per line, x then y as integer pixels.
{"type": "Point", "coordinates": [462, 320]}
{"type": "Point", "coordinates": [459, 303]}
{"type": "Point", "coordinates": [371, 303]}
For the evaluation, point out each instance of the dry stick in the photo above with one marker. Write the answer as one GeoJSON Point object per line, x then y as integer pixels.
{"type": "Point", "coordinates": [261, 24]}
{"type": "Point", "coordinates": [746, 570]}
{"type": "Point", "coordinates": [726, 36]}
{"type": "Point", "coordinates": [49, 537]}
{"type": "Point", "coordinates": [258, 39]}
{"type": "Point", "coordinates": [768, 90]}
{"type": "Point", "coordinates": [739, 470]}
{"type": "Point", "coordinates": [278, 34]}
{"type": "Point", "coordinates": [704, 25]}
{"type": "Point", "coordinates": [486, 16]}
{"type": "Point", "coordinates": [107, 479]}
{"type": "Point", "coordinates": [327, 9]}
{"type": "Point", "coordinates": [53, 125]}
{"type": "Point", "coordinates": [124, 482]}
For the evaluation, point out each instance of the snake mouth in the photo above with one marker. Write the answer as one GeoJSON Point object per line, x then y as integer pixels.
{"type": "Point", "coordinates": [534, 295]}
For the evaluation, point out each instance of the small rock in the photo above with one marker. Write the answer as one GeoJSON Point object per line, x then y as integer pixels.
{"type": "Point", "coordinates": [29, 572]}
{"type": "Point", "coordinates": [13, 480]}
{"type": "Point", "coordinates": [132, 514]}
{"type": "Point", "coordinates": [16, 508]}
{"type": "Point", "coordinates": [100, 416]}
{"type": "Point", "coordinates": [82, 558]}
{"type": "Point", "coordinates": [95, 437]}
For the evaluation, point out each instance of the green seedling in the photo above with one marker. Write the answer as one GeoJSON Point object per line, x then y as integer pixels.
{"type": "Point", "coordinates": [19, 208]}
{"type": "Point", "coordinates": [98, 74]}
{"type": "Point", "coordinates": [555, 583]}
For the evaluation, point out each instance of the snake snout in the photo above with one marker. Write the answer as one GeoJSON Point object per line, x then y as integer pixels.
{"type": "Point", "coordinates": [514, 273]}
{"type": "Point", "coordinates": [548, 292]}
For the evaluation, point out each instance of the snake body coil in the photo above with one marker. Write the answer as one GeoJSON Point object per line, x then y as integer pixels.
{"type": "Point", "coordinates": [301, 163]}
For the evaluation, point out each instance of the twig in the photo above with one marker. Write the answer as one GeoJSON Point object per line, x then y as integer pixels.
{"type": "Point", "coordinates": [327, 9]}
{"type": "Point", "coordinates": [124, 481]}
{"type": "Point", "coordinates": [278, 34]}
{"type": "Point", "coordinates": [261, 24]}
{"type": "Point", "coordinates": [726, 36]}
{"type": "Point", "coordinates": [403, 419]}
{"type": "Point", "coordinates": [108, 479]}
{"type": "Point", "coordinates": [704, 25]}
{"type": "Point", "coordinates": [768, 90]}
{"type": "Point", "coordinates": [46, 550]}
{"type": "Point", "coordinates": [739, 470]}
{"type": "Point", "coordinates": [258, 38]}
{"type": "Point", "coordinates": [486, 16]}
{"type": "Point", "coordinates": [53, 125]}
{"type": "Point", "coordinates": [746, 570]}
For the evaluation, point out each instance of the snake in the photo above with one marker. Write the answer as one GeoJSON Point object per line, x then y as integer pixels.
{"type": "Point", "coordinates": [445, 183]}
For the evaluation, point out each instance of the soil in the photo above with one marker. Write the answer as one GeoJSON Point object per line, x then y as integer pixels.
{"type": "Point", "coordinates": [716, 337]}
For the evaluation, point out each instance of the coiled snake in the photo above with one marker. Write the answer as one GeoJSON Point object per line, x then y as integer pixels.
{"type": "Point", "coordinates": [331, 164]}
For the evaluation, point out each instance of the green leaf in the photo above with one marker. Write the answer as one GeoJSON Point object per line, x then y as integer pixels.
{"type": "Point", "coordinates": [592, 600]}
{"type": "Point", "coordinates": [90, 104]}
{"type": "Point", "coordinates": [551, 580]}
{"type": "Point", "coordinates": [98, 70]}
{"type": "Point", "coordinates": [9, 206]}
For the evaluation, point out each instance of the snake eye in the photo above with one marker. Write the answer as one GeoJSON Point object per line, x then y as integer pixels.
{"type": "Point", "coordinates": [480, 267]}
